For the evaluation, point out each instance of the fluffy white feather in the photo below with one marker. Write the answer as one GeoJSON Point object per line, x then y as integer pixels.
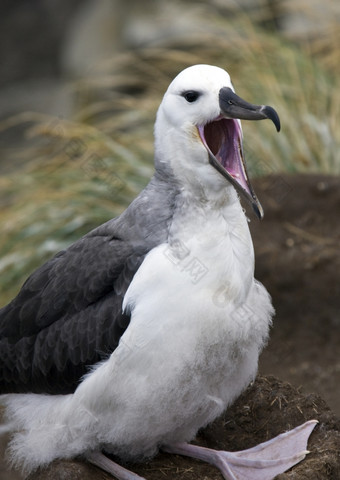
{"type": "Point", "coordinates": [198, 318]}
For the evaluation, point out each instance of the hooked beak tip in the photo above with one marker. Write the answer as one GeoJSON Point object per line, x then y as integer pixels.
{"type": "Point", "coordinates": [233, 106]}
{"type": "Point", "coordinates": [272, 115]}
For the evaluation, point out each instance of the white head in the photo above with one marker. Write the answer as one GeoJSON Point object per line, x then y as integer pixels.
{"type": "Point", "coordinates": [198, 133]}
{"type": "Point", "coordinates": [192, 97]}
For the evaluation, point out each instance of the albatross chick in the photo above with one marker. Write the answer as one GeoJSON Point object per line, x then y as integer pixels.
{"type": "Point", "coordinates": [148, 327]}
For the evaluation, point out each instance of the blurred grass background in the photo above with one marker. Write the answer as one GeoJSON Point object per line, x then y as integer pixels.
{"type": "Point", "coordinates": [61, 177]}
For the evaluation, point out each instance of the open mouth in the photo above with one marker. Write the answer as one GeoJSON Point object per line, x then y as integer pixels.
{"type": "Point", "coordinates": [223, 140]}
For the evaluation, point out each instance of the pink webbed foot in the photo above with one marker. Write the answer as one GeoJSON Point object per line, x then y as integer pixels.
{"type": "Point", "coordinates": [262, 462]}
{"type": "Point", "coordinates": [100, 460]}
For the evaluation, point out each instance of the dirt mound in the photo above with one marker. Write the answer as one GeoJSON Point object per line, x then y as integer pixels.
{"type": "Point", "coordinates": [267, 408]}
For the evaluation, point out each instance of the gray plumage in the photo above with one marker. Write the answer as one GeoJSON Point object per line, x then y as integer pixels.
{"type": "Point", "coordinates": [68, 314]}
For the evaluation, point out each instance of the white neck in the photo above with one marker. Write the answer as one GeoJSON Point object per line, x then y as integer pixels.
{"type": "Point", "coordinates": [180, 152]}
{"type": "Point", "coordinates": [208, 221]}
{"type": "Point", "coordinates": [215, 235]}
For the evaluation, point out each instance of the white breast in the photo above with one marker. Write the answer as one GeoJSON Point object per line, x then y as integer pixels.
{"type": "Point", "coordinates": [198, 322]}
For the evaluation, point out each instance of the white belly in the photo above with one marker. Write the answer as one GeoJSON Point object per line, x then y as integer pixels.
{"type": "Point", "coordinates": [198, 323]}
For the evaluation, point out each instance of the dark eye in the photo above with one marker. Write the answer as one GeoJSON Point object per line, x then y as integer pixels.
{"type": "Point", "coordinates": [191, 96]}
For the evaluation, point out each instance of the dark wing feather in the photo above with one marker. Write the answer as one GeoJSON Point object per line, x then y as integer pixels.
{"type": "Point", "coordinates": [66, 317]}
{"type": "Point", "coordinates": [68, 314]}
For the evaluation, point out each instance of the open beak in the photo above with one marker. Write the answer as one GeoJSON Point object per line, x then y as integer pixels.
{"type": "Point", "coordinates": [223, 140]}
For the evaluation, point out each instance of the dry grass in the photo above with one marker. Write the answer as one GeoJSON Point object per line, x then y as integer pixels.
{"type": "Point", "coordinates": [79, 173]}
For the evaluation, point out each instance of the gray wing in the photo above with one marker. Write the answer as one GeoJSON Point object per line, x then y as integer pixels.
{"type": "Point", "coordinates": [68, 314]}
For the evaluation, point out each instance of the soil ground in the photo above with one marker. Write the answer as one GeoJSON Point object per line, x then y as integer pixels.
{"type": "Point", "coordinates": [297, 259]}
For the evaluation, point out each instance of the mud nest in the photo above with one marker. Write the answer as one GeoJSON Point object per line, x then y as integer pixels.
{"type": "Point", "coordinates": [267, 408]}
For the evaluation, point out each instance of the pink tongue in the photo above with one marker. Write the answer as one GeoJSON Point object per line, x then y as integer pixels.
{"type": "Point", "coordinates": [223, 139]}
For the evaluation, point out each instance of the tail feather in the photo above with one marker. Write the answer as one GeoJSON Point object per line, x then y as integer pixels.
{"type": "Point", "coordinates": [40, 430]}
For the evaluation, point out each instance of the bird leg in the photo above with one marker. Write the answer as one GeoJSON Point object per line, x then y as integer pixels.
{"type": "Point", "coordinates": [262, 462]}
{"type": "Point", "coordinates": [100, 460]}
